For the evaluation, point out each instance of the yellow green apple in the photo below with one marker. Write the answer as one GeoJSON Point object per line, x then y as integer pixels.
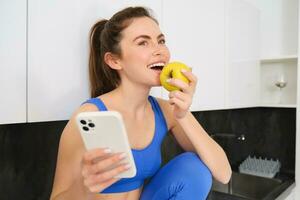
{"type": "Point", "coordinates": [173, 70]}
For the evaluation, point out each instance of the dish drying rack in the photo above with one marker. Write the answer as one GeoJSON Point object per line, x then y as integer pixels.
{"type": "Point", "coordinates": [260, 167]}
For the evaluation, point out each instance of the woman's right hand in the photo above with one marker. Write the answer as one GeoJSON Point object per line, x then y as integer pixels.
{"type": "Point", "coordinates": [99, 168]}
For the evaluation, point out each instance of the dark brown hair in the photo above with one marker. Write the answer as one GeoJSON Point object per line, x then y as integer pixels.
{"type": "Point", "coordinates": [105, 36]}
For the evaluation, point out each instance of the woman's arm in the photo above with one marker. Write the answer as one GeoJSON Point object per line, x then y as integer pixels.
{"type": "Point", "coordinates": [82, 174]}
{"type": "Point", "coordinates": [201, 143]}
{"type": "Point", "coordinates": [192, 137]}
{"type": "Point", "coordinates": [189, 133]}
{"type": "Point", "coordinates": [67, 183]}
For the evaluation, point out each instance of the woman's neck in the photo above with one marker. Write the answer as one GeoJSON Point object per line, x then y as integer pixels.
{"type": "Point", "coordinates": [130, 100]}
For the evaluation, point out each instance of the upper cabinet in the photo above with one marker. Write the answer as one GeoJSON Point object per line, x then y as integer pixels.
{"type": "Point", "coordinates": [194, 32]}
{"type": "Point", "coordinates": [279, 27]}
{"type": "Point", "coordinates": [45, 47]}
{"type": "Point", "coordinates": [13, 61]}
{"type": "Point", "coordinates": [242, 54]}
{"type": "Point", "coordinates": [58, 53]}
{"type": "Point", "coordinates": [57, 57]}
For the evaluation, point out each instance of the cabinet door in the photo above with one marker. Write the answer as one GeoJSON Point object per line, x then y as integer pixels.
{"type": "Point", "coordinates": [242, 53]}
{"type": "Point", "coordinates": [195, 35]}
{"type": "Point", "coordinates": [13, 61]}
{"type": "Point", "coordinates": [58, 53]}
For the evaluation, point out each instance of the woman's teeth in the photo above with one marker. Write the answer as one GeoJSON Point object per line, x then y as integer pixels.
{"type": "Point", "coordinates": [157, 66]}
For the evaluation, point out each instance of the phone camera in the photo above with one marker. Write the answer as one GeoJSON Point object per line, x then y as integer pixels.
{"type": "Point", "coordinates": [85, 128]}
{"type": "Point", "coordinates": [92, 125]}
{"type": "Point", "coordinates": [83, 122]}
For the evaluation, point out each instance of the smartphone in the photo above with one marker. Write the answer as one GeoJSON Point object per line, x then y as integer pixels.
{"type": "Point", "coordinates": [106, 129]}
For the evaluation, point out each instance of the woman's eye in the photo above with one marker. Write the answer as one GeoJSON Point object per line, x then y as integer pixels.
{"type": "Point", "coordinates": [143, 43]}
{"type": "Point", "coordinates": [162, 41]}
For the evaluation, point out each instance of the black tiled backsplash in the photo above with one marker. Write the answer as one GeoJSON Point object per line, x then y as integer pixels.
{"type": "Point", "coordinates": [269, 133]}
{"type": "Point", "coordinates": [28, 151]}
{"type": "Point", "coordinates": [27, 159]}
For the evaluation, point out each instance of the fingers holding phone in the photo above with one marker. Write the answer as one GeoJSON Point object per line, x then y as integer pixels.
{"type": "Point", "coordinates": [100, 168]}
{"type": "Point", "coordinates": [102, 130]}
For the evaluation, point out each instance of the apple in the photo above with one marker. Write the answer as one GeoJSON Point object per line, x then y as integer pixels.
{"type": "Point", "coordinates": [173, 70]}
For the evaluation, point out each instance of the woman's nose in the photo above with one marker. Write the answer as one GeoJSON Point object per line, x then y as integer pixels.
{"type": "Point", "coordinates": [158, 50]}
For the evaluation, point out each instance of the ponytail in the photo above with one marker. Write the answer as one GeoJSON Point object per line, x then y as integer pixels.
{"type": "Point", "coordinates": [102, 78]}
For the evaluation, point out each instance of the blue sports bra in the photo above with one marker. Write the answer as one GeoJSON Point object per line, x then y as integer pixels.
{"type": "Point", "coordinates": [147, 160]}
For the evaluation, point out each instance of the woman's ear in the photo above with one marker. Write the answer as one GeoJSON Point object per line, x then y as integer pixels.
{"type": "Point", "coordinates": [112, 61]}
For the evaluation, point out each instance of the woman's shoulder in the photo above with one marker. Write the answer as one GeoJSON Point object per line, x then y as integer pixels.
{"type": "Point", "coordinates": [71, 125]}
{"type": "Point", "coordinates": [98, 103]}
{"type": "Point", "coordinates": [84, 107]}
{"type": "Point", "coordinates": [88, 105]}
{"type": "Point", "coordinates": [71, 132]}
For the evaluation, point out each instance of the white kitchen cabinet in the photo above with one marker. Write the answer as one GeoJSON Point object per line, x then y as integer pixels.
{"type": "Point", "coordinates": [58, 34]}
{"type": "Point", "coordinates": [220, 41]}
{"type": "Point", "coordinates": [242, 54]}
{"type": "Point", "coordinates": [12, 61]}
{"type": "Point", "coordinates": [279, 27]}
{"type": "Point", "coordinates": [194, 32]}
{"type": "Point", "coordinates": [57, 53]}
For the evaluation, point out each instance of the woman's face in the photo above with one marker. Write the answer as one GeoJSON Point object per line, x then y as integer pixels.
{"type": "Point", "coordinates": [143, 46]}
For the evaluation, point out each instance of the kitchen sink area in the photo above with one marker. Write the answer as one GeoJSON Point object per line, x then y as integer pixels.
{"type": "Point", "coordinates": [244, 186]}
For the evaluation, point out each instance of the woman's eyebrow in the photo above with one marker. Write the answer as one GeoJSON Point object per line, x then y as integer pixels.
{"type": "Point", "coordinates": [160, 36]}
{"type": "Point", "coordinates": [148, 37]}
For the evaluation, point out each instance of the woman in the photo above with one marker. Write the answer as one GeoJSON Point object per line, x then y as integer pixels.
{"type": "Point", "coordinates": [127, 54]}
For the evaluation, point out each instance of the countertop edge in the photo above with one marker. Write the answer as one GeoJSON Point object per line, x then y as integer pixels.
{"type": "Point", "coordinates": [286, 192]}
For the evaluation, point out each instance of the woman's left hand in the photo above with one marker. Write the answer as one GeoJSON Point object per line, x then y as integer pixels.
{"type": "Point", "coordinates": [182, 99]}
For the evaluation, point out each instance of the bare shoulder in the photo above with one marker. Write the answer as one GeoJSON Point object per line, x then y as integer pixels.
{"type": "Point", "coordinates": [70, 131]}
{"type": "Point", "coordinates": [71, 141]}
{"type": "Point", "coordinates": [167, 109]}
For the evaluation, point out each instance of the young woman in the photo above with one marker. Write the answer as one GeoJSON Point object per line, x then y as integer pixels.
{"type": "Point", "coordinates": [124, 53]}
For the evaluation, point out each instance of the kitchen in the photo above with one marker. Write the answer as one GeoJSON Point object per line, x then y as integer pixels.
{"type": "Point", "coordinates": [238, 49]}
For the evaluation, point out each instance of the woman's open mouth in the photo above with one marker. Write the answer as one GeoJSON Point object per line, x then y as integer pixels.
{"type": "Point", "coordinates": [157, 66]}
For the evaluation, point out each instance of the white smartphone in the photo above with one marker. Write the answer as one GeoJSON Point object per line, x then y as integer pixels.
{"type": "Point", "coordinates": [106, 129]}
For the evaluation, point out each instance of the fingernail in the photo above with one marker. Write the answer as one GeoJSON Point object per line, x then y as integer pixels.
{"type": "Point", "coordinates": [122, 155]}
{"type": "Point", "coordinates": [107, 150]}
{"type": "Point", "coordinates": [183, 70]}
{"type": "Point", "coordinates": [168, 80]}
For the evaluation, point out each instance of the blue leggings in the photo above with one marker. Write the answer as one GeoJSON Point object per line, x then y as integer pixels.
{"type": "Point", "coordinates": [185, 177]}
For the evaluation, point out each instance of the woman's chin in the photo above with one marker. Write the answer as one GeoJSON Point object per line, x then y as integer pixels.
{"type": "Point", "coordinates": [154, 82]}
